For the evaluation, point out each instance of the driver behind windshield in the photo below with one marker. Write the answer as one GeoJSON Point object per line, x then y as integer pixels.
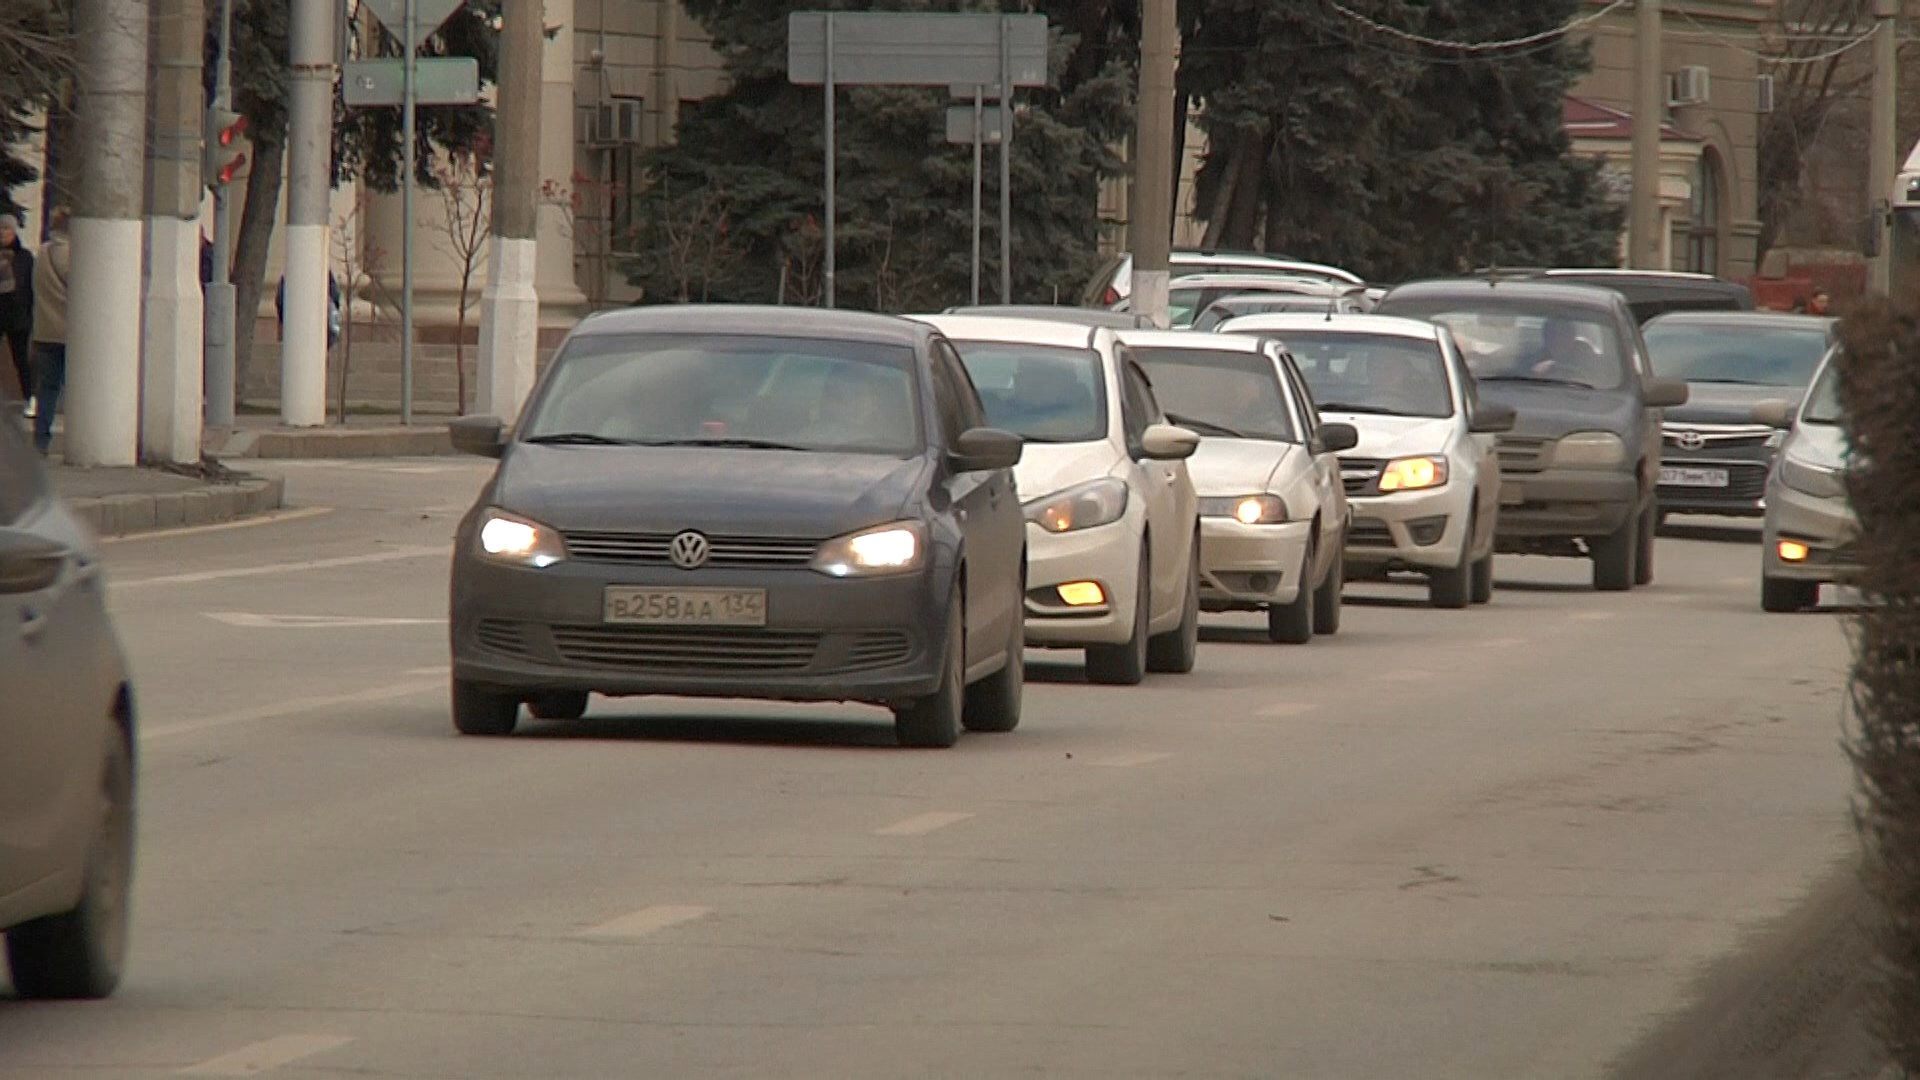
{"type": "Point", "coordinates": [1568, 357]}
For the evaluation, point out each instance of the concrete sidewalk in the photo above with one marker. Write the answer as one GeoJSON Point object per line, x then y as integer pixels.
{"type": "Point", "coordinates": [375, 436]}
{"type": "Point", "coordinates": [115, 502]}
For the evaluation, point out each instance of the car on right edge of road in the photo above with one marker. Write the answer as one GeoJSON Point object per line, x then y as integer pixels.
{"type": "Point", "coordinates": [1810, 525]}
{"type": "Point", "coordinates": [1578, 472]}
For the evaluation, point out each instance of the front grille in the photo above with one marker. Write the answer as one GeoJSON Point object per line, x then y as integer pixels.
{"type": "Point", "coordinates": [1709, 437]}
{"type": "Point", "coordinates": [877, 649]}
{"type": "Point", "coordinates": [1366, 533]}
{"type": "Point", "coordinates": [502, 636]}
{"type": "Point", "coordinates": [1522, 453]}
{"type": "Point", "coordinates": [1361, 476]}
{"type": "Point", "coordinates": [719, 651]}
{"type": "Point", "coordinates": [650, 549]}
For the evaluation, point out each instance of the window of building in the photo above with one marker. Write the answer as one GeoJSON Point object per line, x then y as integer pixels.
{"type": "Point", "coordinates": [1703, 232]}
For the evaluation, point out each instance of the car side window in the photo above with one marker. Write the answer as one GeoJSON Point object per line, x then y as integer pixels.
{"type": "Point", "coordinates": [22, 484]}
{"type": "Point", "coordinates": [946, 398]}
{"type": "Point", "coordinates": [973, 413]}
{"type": "Point", "coordinates": [1457, 361]}
{"type": "Point", "coordinates": [1138, 410]}
{"type": "Point", "coordinates": [1309, 409]}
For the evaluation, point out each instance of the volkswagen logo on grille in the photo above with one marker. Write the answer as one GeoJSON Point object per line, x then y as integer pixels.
{"type": "Point", "coordinates": [1690, 440]}
{"type": "Point", "coordinates": [688, 550]}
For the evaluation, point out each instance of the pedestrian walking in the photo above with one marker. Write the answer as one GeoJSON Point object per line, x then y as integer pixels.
{"type": "Point", "coordinates": [50, 328]}
{"type": "Point", "coordinates": [16, 304]}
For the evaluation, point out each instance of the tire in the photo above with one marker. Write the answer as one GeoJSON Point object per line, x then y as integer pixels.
{"type": "Point", "coordinates": [1293, 624]}
{"type": "Point", "coordinates": [993, 703]}
{"type": "Point", "coordinates": [1452, 588]}
{"type": "Point", "coordinates": [933, 722]}
{"type": "Point", "coordinates": [1783, 595]}
{"type": "Point", "coordinates": [479, 711]}
{"type": "Point", "coordinates": [1643, 549]}
{"type": "Point", "coordinates": [1126, 665]}
{"type": "Point", "coordinates": [1613, 557]}
{"type": "Point", "coordinates": [81, 953]}
{"type": "Point", "coordinates": [559, 705]}
{"type": "Point", "coordinates": [1483, 579]}
{"type": "Point", "coordinates": [1326, 599]}
{"type": "Point", "coordinates": [1174, 652]}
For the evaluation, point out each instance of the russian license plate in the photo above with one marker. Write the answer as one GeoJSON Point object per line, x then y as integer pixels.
{"type": "Point", "coordinates": [1680, 476]}
{"type": "Point", "coordinates": [686, 607]}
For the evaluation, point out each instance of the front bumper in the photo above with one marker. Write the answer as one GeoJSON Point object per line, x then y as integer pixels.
{"type": "Point", "coordinates": [1826, 526]}
{"type": "Point", "coordinates": [1413, 530]}
{"type": "Point", "coordinates": [1744, 469]}
{"type": "Point", "coordinates": [1563, 504]}
{"type": "Point", "coordinates": [526, 631]}
{"type": "Point", "coordinates": [1251, 566]}
{"type": "Point", "coordinates": [1109, 556]}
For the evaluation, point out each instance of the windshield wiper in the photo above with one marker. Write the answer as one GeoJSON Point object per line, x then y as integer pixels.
{"type": "Point", "coordinates": [728, 441]}
{"type": "Point", "coordinates": [579, 438]}
{"type": "Point", "coordinates": [1348, 406]}
{"type": "Point", "coordinates": [1205, 427]}
{"type": "Point", "coordinates": [1538, 380]}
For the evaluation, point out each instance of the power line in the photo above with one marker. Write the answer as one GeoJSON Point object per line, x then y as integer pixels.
{"type": "Point", "coordinates": [1475, 46]}
{"type": "Point", "coordinates": [1770, 58]}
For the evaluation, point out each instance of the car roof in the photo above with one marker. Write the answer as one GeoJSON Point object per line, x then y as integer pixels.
{"type": "Point", "coordinates": [1282, 321]}
{"type": "Point", "coordinates": [1565, 294]}
{"type": "Point", "coordinates": [1196, 257]}
{"type": "Point", "coordinates": [1263, 283]}
{"type": "Point", "coordinates": [756, 320]}
{"type": "Point", "coordinates": [1079, 316]}
{"type": "Point", "coordinates": [1005, 328]}
{"type": "Point", "coordinates": [1784, 320]}
{"type": "Point", "coordinates": [1189, 339]}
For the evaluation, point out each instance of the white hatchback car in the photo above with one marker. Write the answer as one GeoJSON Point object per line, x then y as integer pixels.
{"type": "Point", "coordinates": [1112, 525]}
{"type": "Point", "coordinates": [1273, 517]}
{"type": "Point", "coordinates": [1425, 477]}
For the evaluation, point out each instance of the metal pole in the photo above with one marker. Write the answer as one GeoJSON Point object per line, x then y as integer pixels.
{"type": "Point", "coordinates": [406, 214]}
{"type": "Point", "coordinates": [303, 346]}
{"type": "Point", "coordinates": [1006, 159]}
{"type": "Point", "coordinates": [220, 373]}
{"type": "Point", "coordinates": [174, 325]}
{"type": "Point", "coordinates": [510, 305]}
{"type": "Point", "coordinates": [1881, 158]}
{"type": "Point", "coordinates": [1649, 104]}
{"type": "Point", "coordinates": [979, 137]}
{"type": "Point", "coordinates": [828, 285]}
{"type": "Point", "coordinates": [1150, 217]}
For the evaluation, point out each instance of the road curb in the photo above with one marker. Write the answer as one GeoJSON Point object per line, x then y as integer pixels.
{"type": "Point", "coordinates": [209, 504]}
{"type": "Point", "coordinates": [424, 441]}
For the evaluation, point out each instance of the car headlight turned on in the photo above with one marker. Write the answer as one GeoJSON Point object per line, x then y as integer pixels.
{"type": "Point", "coordinates": [883, 549]}
{"type": "Point", "coordinates": [1413, 474]}
{"type": "Point", "coordinates": [1246, 509]}
{"type": "Point", "coordinates": [1098, 502]}
{"type": "Point", "coordinates": [1809, 479]}
{"type": "Point", "coordinates": [516, 541]}
{"type": "Point", "coordinates": [1590, 450]}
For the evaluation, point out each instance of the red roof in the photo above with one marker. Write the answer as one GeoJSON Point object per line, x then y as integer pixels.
{"type": "Point", "coordinates": [1591, 120]}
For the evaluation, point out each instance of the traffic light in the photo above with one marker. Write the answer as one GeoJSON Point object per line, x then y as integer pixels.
{"type": "Point", "coordinates": [222, 159]}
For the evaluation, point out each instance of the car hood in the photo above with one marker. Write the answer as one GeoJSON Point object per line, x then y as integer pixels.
{"type": "Point", "coordinates": [1553, 411]}
{"type": "Point", "coordinates": [1822, 445]}
{"type": "Point", "coordinates": [1727, 403]}
{"type": "Point", "coordinates": [1229, 467]}
{"type": "Point", "coordinates": [1049, 467]}
{"type": "Point", "coordinates": [1390, 437]}
{"type": "Point", "coordinates": [718, 490]}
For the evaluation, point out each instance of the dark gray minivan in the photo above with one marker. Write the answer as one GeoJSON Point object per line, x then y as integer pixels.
{"type": "Point", "coordinates": [1578, 472]}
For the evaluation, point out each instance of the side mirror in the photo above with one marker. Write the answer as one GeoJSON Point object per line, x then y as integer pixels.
{"type": "Point", "coordinates": [481, 435]}
{"type": "Point", "coordinates": [985, 449]}
{"type": "Point", "coordinates": [1337, 437]}
{"type": "Point", "coordinates": [1492, 418]}
{"type": "Point", "coordinates": [1774, 413]}
{"type": "Point", "coordinates": [28, 563]}
{"type": "Point", "coordinates": [1664, 393]}
{"type": "Point", "coordinates": [1164, 442]}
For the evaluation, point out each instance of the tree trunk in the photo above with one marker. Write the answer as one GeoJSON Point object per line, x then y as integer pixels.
{"type": "Point", "coordinates": [250, 256]}
{"type": "Point", "coordinates": [460, 346]}
{"type": "Point", "coordinates": [1247, 180]}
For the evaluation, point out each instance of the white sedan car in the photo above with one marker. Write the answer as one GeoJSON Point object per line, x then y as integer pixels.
{"type": "Point", "coordinates": [1425, 478]}
{"type": "Point", "coordinates": [1273, 515]}
{"type": "Point", "coordinates": [1112, 559]}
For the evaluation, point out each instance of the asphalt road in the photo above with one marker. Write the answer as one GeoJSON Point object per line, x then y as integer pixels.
{"type": "Point", "coordinates": [1511, 841]}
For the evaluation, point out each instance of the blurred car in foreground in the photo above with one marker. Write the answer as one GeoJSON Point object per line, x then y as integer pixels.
{"type": "Point", "coordinates": [1810, 525]}
{"type": "Point", "coordinates": [1273, 519]}
{"type": "Point", "coordinates": [1424, 480]}
{"type": "Point", "coordinates": [66, 746]}
{"type": "Point", "coordinates": [744, 502]}
{"type": "Point", "coordinates": [1113, 562]}
{"type": "Point", "coordinates": [1113, 282]}
{"type": "Point", "coordinates": [1714, 458]}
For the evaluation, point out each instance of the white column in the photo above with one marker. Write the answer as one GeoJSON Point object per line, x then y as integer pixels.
{"type": "Point", "coordinates": [303, 346]}
{"type": "Point", "coordinates": [509, 307]}
{"type": "Point", "coordinates": [171, 414]}
{"type": "Point", "coordinates": [509, 330]}
{"type": "Point", "coordinates": [561, 298]}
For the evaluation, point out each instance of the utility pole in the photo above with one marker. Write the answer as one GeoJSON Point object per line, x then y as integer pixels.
{"type": "Point", "coordinates": [1881, 157]}
{"type": "Point", "coordinates": [509, 307]}
{"type": "Point", "coordinates": [172, 381]}
{"type": "Point", "coordinates": [1649, 114]}
{"type": "Point", "coordinates": [220, 367]}
{"type": "Point", "coordinates": [303, 343]}
{"type": "Point", "coordinates": [103, 341]}
{"type": "Point", "coordinates": [1150, 217]}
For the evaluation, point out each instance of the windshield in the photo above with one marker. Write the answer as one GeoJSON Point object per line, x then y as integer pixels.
{"type": "Point", "coordinates": [1823, 401]}
{"type": "Point", "coordinates": [1372, 373]}
{"type": "Point", "coordinates": [694, 389]}
{"type": "Point", "coordinates": [1043, 393]}
{"type": "Point", "coordinates": [1726, 352]}
{"type": "Point", "coordinates": [1219, 391]}
{"type": "Point", "coordinates": [1518, 342]}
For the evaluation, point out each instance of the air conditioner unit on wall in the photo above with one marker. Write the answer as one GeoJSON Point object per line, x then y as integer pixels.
{"type": "Point", "coordinates": [1689, 86]}
{"type": "Point", "coordinates": [1763, 94]}
{"type": "Point", "coordinates": [615, 122]}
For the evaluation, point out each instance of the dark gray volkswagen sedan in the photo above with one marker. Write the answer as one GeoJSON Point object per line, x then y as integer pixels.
{"type": "Point", "coordinates": [744, 502]}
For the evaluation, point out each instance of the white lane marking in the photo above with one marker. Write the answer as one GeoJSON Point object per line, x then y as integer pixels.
{"type": "Point", "coordinates": [1591, 616]}
{"type": "Point", "coordinates": [278, 517]}
{"type": "Point", "coordinates": [269, 1054]}
{"type": "Point", "coordinates": [427, 672]}
{"type": "Point", "coordinates": [295, 707]}
{"type": "Point", "coordinates": [922, 824]}
{"type": "Point", "coordinates": [1288, 708]}
{"type": "Point", "coordinates": [313, 622]}
{"type": "Point", "coordinates": [647, 920]}
{"type": "Point", "coordinates": [1128, 761]}
{"type": "Point", "coordinates": [1500, 643]}
{"type": "Point", "coordinates": [197, 576]}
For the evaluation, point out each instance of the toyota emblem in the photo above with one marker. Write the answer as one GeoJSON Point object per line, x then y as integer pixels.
{"type": "Point", "coordinates": [1690, 440]}
{"type": "Point", "coordinates": [689, 551]}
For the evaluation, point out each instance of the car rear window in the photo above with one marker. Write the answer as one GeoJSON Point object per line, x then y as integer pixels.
{"type": "Point", "coordinates": [1219, 391]}
{"type": "Point", "coordinates": [1385, 374]}
{"type": "Point", "coordinates": [1044, 393]}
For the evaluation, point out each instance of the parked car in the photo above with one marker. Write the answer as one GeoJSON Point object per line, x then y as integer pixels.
{"type": "Point", "coordinates": [1189, 295]}
{"type": "Point", "coordinates": [743, 502]}
{"type": "Point", "coordinates": [1111, 517]}
{"type": "Point", "coordinates": [1273, 517]}
{"type": "Point", "coordinates": [1335, 301]}
{"type": "Point", "coordinates": [1579, 470]}
{"type": "Point", "coordinates": [1714, 458]}
{"type": "Point", "coordinates": [1810, 526]}
{"type": "Point", "coordinates": [1424, 479]}
{"type": "Point", "coordinates": [1113, 282]}
{"type": "Point", "coordinates": [1648, 292]}
{"type": "Point", "coordinates": [1079, 316]}
{"type": "Point", "coordinates": [67, 736]}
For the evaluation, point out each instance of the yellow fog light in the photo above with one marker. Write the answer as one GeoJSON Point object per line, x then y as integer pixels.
{"type": "Point", "coordinates": [1082, 594]}
{"type": "Point", "coordinates": [1791, 551]}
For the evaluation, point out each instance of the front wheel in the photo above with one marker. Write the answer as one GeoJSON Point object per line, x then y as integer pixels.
{"type": "Point", "coordinates": [1326, 599]}
{"type": "Point", "coordinates": [1293, 623]}
{"type": "Point", "coordinates": [1782, 595]}
{"type": "Point", "coordinates": [1643, 551]}
{"type": "Point", "coordinates": [1126, 664]}
{"type": "Point", "coordinates": [1452, 588]}
{"type": "Point", "coordinates": [479, 711]}
{"type": "Point", "coordinates": [1483, 579]}
{"type": "Point", "coordinates": [1175, 651]}
{"type": "Point", "coordinates": [559, 705]}
{"type": "Point", "coordinates": [993, 703]}
{"type": "Point", "coordinates": [1613, 557]}
{"type": "Point", "coordinates": [933, 722]}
